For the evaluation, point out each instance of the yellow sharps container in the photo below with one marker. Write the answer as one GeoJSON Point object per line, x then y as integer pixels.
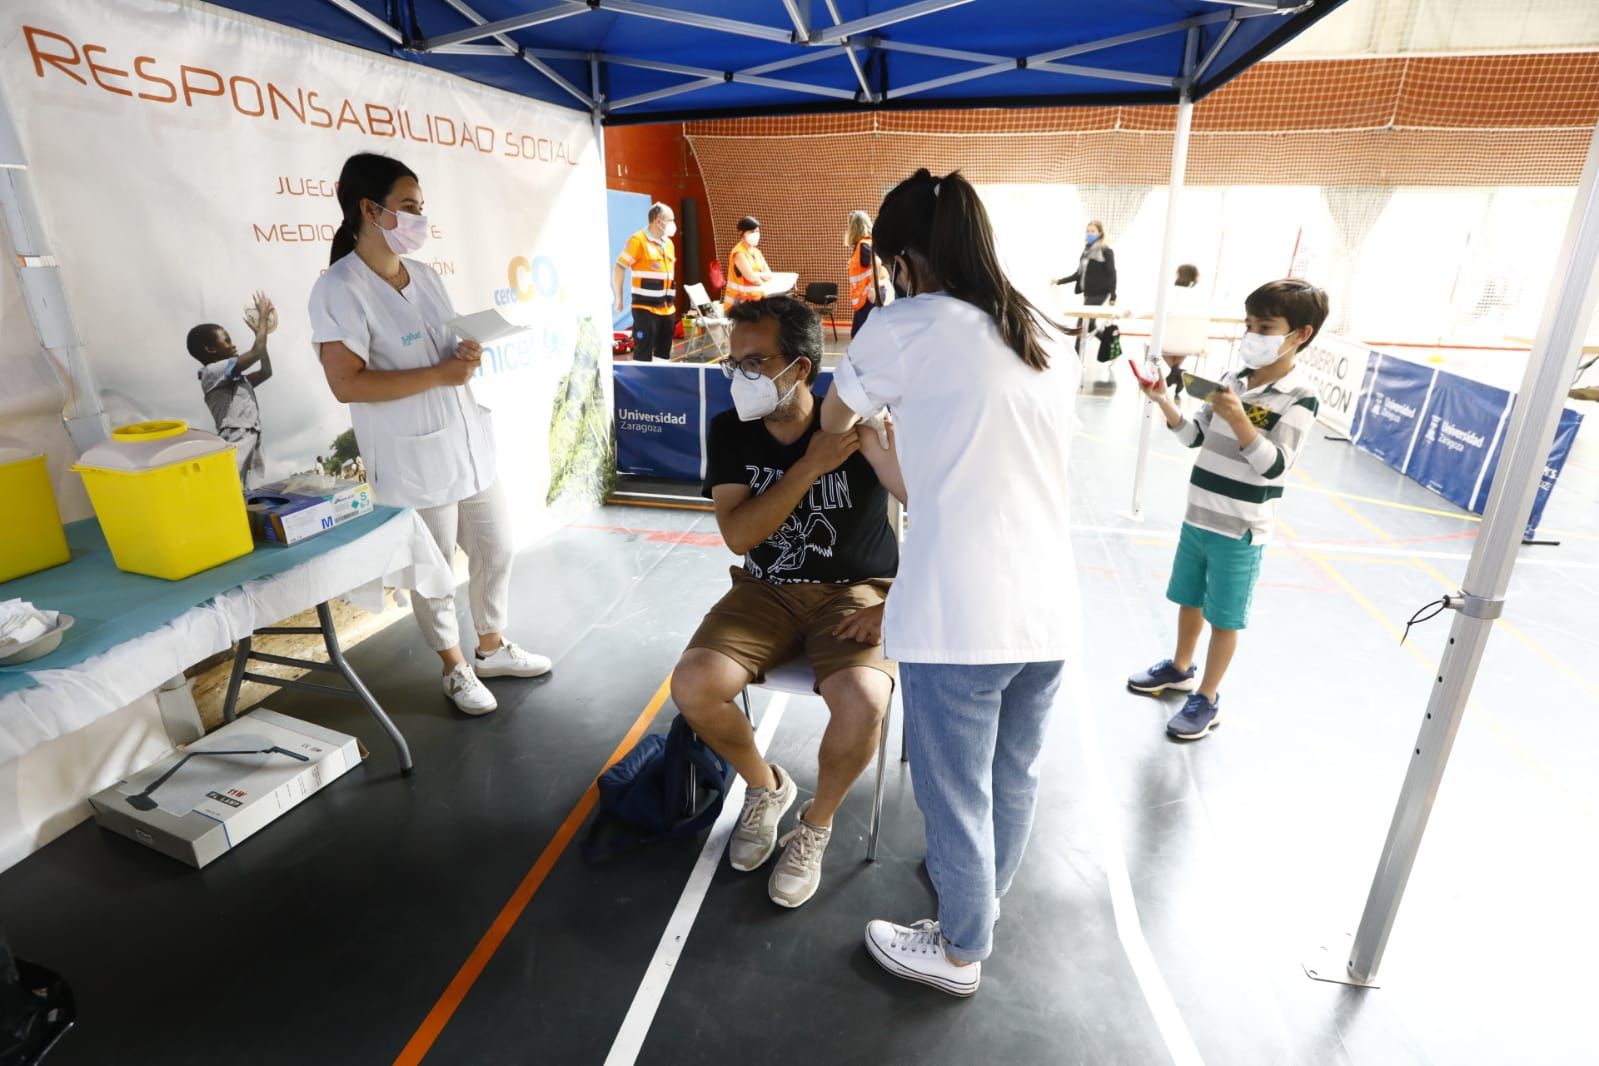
{"type": "Point", "coordinates": [33, 538]}
{"type": "Point", "coordinates": [168, 499]}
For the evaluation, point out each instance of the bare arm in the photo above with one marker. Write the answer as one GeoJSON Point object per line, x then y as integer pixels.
{"type": "Point", "coordinates": [351, 381]}
{"type": "Point", "coordinates": [885, 461]}
{"type": "Point", "coordinates": [746, 519]}
{"type": "Point", "coordinates": [619, 285]}
{"type": "Point", "coordinates": [836, 414]}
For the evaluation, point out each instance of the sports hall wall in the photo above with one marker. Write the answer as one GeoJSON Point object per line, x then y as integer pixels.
{"type": "Point", "coordinates": [1446, 175]}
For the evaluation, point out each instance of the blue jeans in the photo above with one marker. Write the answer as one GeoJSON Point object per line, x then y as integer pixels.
{"type": "Point", "coordinates": [975, 734]}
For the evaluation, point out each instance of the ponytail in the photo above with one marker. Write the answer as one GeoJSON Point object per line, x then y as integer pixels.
{"type": "Point", "coordinates": [365, 176]}
{"type": "Point", "coordinates": [944, 220]}
{"type": "Point", "coordinates": [343, 242]}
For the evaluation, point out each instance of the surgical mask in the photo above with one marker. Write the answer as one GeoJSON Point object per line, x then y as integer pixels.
{"type": "Point", "coordinates": [1090, 238]}
{"type": "Point", "coordinates": [669, 229]}
{"type": "Point", "coordinates": [752, 238]}
{"type": "Point", "coordinates": [409, 233]}
{"type": "Point", "coordinates": [1259, 351]}
{"type": "Point", "coordinates": [759, 398]}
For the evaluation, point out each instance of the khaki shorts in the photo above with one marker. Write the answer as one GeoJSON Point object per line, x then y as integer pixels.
{"type": "Point", "coordinates": [760, 626]}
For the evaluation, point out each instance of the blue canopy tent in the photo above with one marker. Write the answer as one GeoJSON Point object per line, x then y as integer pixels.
{"type": "Point", "coordinates": [633, 61]}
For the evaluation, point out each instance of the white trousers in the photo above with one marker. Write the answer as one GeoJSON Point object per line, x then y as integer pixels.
{"type": "Point", "coordinates": [482, 525]}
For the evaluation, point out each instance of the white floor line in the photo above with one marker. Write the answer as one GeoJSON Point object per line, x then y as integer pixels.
{"type": "Point", "coordinates": [1333, 548]}
{"type": "Point", "coordinates": [647, 1000]}
{"type": "Point", "coordinates": [1168, 1019]}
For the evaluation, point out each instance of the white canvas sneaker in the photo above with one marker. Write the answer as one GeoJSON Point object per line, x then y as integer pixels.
{"type": "Point", "coordinates": [755, 835]}
{"type": "Point", "coordinates": [469, 695]}
{"type": "Point", "coordinates": [508, 660]}
{"type": "Point", "coordinates": [798, 873]}
{"type": "Point", "coordinates": [916, 953]}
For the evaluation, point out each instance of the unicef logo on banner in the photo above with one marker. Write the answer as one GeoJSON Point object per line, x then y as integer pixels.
{"type": "Point", "coordinates": [536, 299]}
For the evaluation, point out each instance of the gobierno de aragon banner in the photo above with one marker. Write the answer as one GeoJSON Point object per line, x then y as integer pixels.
{"type": "Point", "coordinates": [187, 157]}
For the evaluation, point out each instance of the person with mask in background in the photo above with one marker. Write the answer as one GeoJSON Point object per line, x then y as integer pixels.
{"type": "Point", "coordinates": [379, 323]}
{"type": "Point", "coordinates": [652, 258]}
{"type": "Point", "coordinates": [1094, 279]}
{"type": "Point", "coordinates": [809, 512]}
{"type": "Point", "coordinates": [868, 278]}
{"type": "Point", "coordinates": [1249, 435]}
{"type": "Point", "coordinates": [747, 271]}
{"type": "Point", "coordinates": [984, 612]}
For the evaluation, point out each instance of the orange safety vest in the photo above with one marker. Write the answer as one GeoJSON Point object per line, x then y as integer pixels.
{"type": "Point", "coordinates": [653, 264]}
{"type": "Point", "coordinates": [860, 273]}
{"type": "Point", "coordinates": [739, 285]}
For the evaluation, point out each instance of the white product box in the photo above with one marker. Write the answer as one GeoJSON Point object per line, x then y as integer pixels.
{"type": "Point", "coordinates": [219, 791]}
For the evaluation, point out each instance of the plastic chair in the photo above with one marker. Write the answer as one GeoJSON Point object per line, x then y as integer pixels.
{"type": "Point", "coordinates": [824, 294]}
{"type": "Point", "coordinates": [795, 678]}
{"type": "Point", "coordinates": [716, 329]}
{"type": "Point", "coordinates": [1185, 335]}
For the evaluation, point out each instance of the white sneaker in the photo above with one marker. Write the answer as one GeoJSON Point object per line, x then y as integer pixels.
{"type": "Point", "coordinates": [916, 953]}
{"type": "Point", "coordinates": [798, 873]}
{"type": "Point", "coordinates": [755, 836]}
{"type": "Point", "coordinates": [508, 660]}
{"type": "Point", "coordinates": [469, 695]}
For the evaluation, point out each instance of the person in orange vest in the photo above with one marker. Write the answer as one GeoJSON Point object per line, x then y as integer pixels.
{"type": "Point", "coordinates": [746, 266]}
{"type": "Point", "coordinates": [649, 253]}
{"type": "Point", "coordinates": [868, 278]}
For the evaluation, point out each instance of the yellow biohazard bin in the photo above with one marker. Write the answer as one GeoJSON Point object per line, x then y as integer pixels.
{"type": "Point", "coordinates": [33, 538]}
{"type": "Point", "coordinates": [168, 499]}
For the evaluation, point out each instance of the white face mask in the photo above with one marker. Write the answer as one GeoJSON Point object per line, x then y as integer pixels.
{"type": "Point", "coordinates": [669, 229]}
{"type": "Point", "coordinates": [759, 398]}
{"type": "Point", "coordinates": [1259, 351]}
{"type": "Point", "coordinates": [410, 232]}
{"type": "Point", "coordinates": [752, 238]}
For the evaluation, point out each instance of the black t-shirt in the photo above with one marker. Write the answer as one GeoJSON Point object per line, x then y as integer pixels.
{"type": "Point", "coordinates": [839, 533]}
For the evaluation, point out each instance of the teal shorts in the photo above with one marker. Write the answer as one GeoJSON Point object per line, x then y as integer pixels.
{"type": "Point", "coordinates": [1217, 574]}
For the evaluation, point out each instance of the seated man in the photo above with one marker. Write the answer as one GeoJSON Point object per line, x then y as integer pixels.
{"type": "Point", "coordinates": [809, 512]}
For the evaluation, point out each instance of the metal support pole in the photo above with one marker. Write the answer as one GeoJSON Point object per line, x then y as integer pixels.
{"type": "Point", "coordinates": [1555, 353]}
{"type": "Point", "coordinates": [1179, 169]}
{"type": "Point", "coordinates": [44, 293]}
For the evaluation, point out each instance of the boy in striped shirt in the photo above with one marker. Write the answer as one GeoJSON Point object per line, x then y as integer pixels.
{"type": "Point", "coordinates": [1248, 435]}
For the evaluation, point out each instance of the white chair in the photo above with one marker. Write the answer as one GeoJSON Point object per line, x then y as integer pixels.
{"type": "Point", "coordinates": [1185, 335]}
{"type": "Point", "coordinates": [715, 329]}
{"type": "Point", "coordinates": [795, 678]}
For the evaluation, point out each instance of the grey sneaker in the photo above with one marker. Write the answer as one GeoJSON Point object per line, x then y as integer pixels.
{"type": "Point", "coordinates": [799, 872]}
{"type": "Point", "coordinates": [755, 836]}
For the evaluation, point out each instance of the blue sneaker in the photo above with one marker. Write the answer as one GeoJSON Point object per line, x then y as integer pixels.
{"type": "Point", "coordinates": [1162, 676]}
{"type": "Point", "coordinates": [1197, 718]}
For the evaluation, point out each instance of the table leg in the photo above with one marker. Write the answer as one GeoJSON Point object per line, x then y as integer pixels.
{"type": "Point", "coordinates": [241, 662]}
{"type": "Point", "coordinates": [330, 637]}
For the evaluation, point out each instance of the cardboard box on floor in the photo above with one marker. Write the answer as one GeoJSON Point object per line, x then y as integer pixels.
{"type": "Point", "coordinates": [205, 799]}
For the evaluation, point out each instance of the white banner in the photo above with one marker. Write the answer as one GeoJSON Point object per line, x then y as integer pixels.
{"type": "Point", "coordinates": [1338, 367]}
{"type": "Point", "coordinates": [187, 157]}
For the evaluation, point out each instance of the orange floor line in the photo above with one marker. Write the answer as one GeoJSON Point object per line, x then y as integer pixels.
{"type": "Point", "coordinates": [455, 994]}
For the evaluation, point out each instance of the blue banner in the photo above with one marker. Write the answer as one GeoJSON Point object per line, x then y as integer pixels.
{"type": "Point", "coordinates": [658, 420]}
{"type": "Point", "coordinates": [1565, 437]}
{"type": "Point", "coordinates": [662, 412]}
{"type": "Point", "coordinates": [1461, 428]}
{"type": "Point", "coordinates": [1447, 432]}
{"type": "Point", "coordinates": [1395, 396]}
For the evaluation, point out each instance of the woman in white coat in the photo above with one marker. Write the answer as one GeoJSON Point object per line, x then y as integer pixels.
{"type": "Point", "coordinates": [984, 611]}
{"type": "Point", "coordinates": [379, 323]}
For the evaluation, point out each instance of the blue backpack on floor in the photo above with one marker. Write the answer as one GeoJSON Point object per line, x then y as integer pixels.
{"type": "Point", "coordinates": [645, 798]}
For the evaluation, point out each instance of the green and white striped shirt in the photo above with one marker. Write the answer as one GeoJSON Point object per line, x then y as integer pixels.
{"type": "Point", "coordinates": [1233, 490]}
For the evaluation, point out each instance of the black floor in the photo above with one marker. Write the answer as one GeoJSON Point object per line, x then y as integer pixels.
{"type": "Point", "coordinates": [330, 936]}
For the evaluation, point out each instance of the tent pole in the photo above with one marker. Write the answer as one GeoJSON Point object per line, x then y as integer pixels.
{"type": "Point", "coordinates": [44, 293]}
{"type": "Point", "coordinates": [1555, 353]}
{"type": "Point", "coordinates": [1179, 170]}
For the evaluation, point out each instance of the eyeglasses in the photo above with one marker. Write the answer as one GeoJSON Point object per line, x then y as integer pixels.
{"type": "Point", "coordinates": [750, 368]}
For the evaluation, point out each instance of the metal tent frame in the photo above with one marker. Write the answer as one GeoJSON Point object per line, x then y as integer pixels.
{"type": "Point", "coordinates": [1177, 60]}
